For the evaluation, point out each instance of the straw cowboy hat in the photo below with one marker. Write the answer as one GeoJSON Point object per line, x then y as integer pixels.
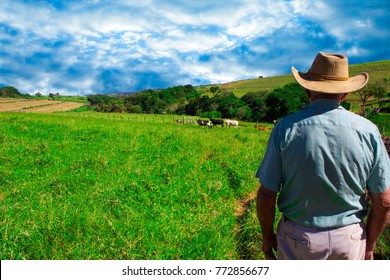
{"type": "Point", "coordinates": [329, 74]}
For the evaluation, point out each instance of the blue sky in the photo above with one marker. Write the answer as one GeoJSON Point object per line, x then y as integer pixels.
{"type": "Point", "coordinates": [77, 47]}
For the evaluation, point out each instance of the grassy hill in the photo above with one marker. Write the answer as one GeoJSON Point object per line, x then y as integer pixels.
{"type": "Point", "coordinates": [379, 72]}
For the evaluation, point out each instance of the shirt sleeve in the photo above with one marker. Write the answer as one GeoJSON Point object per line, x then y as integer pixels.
{"type": "Point", "coordinates": [270, 169]}
{"type": "Point", "coordinates": [379, 179]}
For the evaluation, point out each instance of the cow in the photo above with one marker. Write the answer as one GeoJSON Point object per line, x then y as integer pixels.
{"type": "Point", "coordinates": [179, 121]}
{"type": "Point", "coordinates": [262, 128]}
{"type": "Point", "coordinates": [191, 121]}
{"type": "Point", "coordinates": [217, 122]}
{"type": "Point", "coordinates": [204, 123]}
{"type": "Point", "coordinates": [230, 123]}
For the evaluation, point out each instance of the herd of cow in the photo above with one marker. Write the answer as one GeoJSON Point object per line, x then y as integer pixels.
{"type": "Point", "coordinates": [212, 122]}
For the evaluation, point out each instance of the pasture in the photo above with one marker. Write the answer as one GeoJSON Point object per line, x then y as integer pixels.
{"type": "Point", "coordinates": [79, 186]}
{"type": "Point", "coordinates": [116, 186]}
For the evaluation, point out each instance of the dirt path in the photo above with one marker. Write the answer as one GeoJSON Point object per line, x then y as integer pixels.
{"type": "Point", "coordinates": [244, 236]}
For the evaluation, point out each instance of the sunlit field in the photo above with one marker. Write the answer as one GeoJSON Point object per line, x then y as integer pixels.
{"type": "Point", "coordinates": [79, 186]}
{"type": "Point", "coordinates": [87, 185]}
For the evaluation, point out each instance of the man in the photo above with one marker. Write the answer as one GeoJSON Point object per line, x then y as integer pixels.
{"type": "Point", "coordinates": [320, 160]}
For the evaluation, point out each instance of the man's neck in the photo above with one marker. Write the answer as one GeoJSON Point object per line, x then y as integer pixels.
{"type": "Point", "coordinates": [319, 95]}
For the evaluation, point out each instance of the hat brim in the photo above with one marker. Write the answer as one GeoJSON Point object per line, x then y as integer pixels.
{"type": "Point", "coordinates": [329, 86]}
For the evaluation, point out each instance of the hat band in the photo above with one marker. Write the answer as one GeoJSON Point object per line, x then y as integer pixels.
{"type": "Point", "coordinates": [327, 77]}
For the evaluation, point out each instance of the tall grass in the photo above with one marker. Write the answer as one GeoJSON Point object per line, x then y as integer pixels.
{"type": "Point", "coordinates": [88, 188]}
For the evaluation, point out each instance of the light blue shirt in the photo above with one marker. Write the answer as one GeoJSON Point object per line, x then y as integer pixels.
{"type": "Point", "coordinates": [321, 159]}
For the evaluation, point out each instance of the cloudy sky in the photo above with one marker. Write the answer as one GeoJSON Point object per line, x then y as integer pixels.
{"type": "Point", "coordinates": [102, 46]}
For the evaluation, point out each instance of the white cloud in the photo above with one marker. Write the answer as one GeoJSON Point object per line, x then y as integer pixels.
{"type": "Point", "coordinates": [100, 44]}
{"type": "Point", "coordinates": [189, 42]}
{"type": "Point", "coordinates": [259, 20]}
{"type": "Point", "coordinates": [357, 51]}
{"type": "Point", "coordinates": [346, 21]}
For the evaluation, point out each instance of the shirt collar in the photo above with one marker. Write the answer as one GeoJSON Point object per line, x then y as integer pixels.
{"type": "Point", "coordinates": [324, 102]}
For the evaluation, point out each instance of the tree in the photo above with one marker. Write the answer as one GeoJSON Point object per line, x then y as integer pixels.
{"type": "Point", "coordinates": [228, 104]}
{"type": "Point", "coordinates": [286, 100]}
{"type": "Point", "coordinates": [117, 108]}
{"type": "Point", "coordinates": [100, 99]}
{"type": "Point", "coordinates": [379, 92]}
{"type": "Point", "coordinates": [346, 105]}
{"type": "Point", "coordinates": [256, 102]}
{"type": "Point", "coordinates": [190, 91]}
{"type": "Point", "coordinates": [369, 91]}
{"type": "Point", "coordinates": [105, 103]}
{"type": "Point", "coordinates": [215, 89]}
{"type": "Point", "coordinates": [192, 106]}
{"type": "Point", "coordinates": [162, 100]}
{"type": "Point", "coordinates": [276, 107]}
{"type": "Point", "coordinates": [244, 113]}
{"type": "Point", "coordinates": [136, 109]}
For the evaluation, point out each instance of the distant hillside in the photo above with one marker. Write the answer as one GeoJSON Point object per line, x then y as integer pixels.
{"type": "Point", "coordinates": [378, 71]}
{"type": "Point", "coordinates": [8, 91]}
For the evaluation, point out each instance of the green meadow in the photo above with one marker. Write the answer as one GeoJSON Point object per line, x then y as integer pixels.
{"type": "Point", "coordinates": [83, 186]}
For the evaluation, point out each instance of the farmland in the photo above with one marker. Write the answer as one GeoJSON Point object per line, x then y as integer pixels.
{"type": "Point", "coordinates": [37, 105]}
{"type": "Point", "coordinates": [83, 187]}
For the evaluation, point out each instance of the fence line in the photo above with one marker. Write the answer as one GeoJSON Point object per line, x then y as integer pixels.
{"type": "Point", "coordinates": [127, 117]}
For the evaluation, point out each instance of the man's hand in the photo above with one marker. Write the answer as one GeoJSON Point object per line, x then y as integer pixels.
{"type": "Point", "coordinates": [268, 246]}
{"type": "Point", "coordinates": [378, 219]}
{"type": "Point", "coordinates": [369, 255]}
{"type": "Point", "coordinates": [266, 200]}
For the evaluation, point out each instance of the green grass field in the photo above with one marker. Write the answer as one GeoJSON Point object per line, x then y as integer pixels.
{"type": "Point", "coordinates": [76, 186]}
{"type": "Point", "coordinates": [103, 186]}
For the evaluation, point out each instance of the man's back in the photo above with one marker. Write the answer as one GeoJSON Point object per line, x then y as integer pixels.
{"type": "Point", "coordinates": [327, 155]}
{"type": "Point", "coordinates": [320, 160]}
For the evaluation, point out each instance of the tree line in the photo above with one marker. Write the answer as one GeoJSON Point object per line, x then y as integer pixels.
{"type": "Point", "coordinates": [12, 92]}
{"type": "Point", "coordinates": [186, 100]}
{"type": "Point", "coordinates": [254, 106]}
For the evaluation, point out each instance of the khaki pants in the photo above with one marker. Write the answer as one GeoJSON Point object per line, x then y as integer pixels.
{"type": "Point", "coordinates": [301, 243]}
